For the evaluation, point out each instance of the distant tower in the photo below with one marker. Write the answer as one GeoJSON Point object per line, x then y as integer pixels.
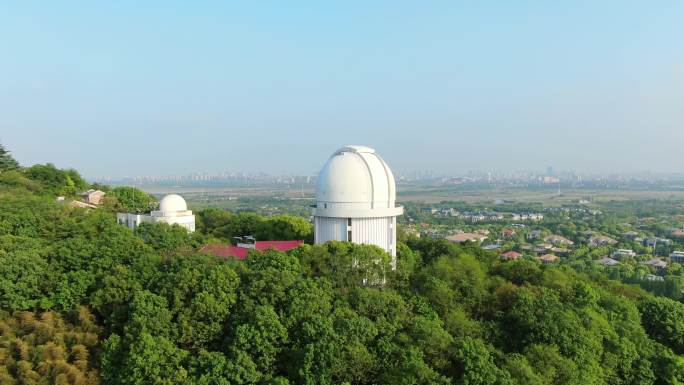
{"type": "Point", "coordinates": [355, 200]}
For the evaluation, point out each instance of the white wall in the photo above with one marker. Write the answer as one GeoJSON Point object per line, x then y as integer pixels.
{"type": "Point", "coordinates": [330, 229]}
{"type": "Point", "coordinates": [370, 231]}
{"type": "Point", "coordinates": [373, 231]}
{"type": "Point", "coordinates": [133, 220]}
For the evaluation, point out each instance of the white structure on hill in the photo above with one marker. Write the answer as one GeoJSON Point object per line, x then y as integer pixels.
{"type": "Point", "coordinates": [172, 210]}
{"type": "Point", "coordinates": [355, 200]}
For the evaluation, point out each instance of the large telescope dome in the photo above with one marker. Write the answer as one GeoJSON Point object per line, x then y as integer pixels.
{"type": "Point", "coordinates": [355, 199]}
{"type": "Point", "coordinates": [356, 175]}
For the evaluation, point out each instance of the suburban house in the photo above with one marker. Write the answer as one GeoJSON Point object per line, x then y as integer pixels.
{"type": "Point", "coordinates": [493, 246]}
{"type": "Point", "coordinates": [677, 256]}
{"type": "Point", "coordinates": [657, 263]}
{"type": "Point", "coordinates": [602, 240]}
{"type": "Point", "coordinates": [621, 253]}
{"type": "Point", "coordinates": [466, 237]}
{"type": "Point", "coordinates": [560, 250]}
{"type": "Point", "coordinates": [607, 261]}
{"type": "Point", "coordinates": [511, 255]}
{"type": "Point", "coordinates": [547, 259]}
{"type": "Point", "coordinates": [508, 233]}
{"type": "Point", "coordinates": [558, 240]}
{"type": "Point", "coordinates": [534, 234]}
{"type": "Point", "coordinates": [527, 217]}
{"type": "Point", "coordinates": [678, 233]}
{"type": "Point", "coordinates": [654, 278]}
{"type": "Point", "coordinates": [655, 241]}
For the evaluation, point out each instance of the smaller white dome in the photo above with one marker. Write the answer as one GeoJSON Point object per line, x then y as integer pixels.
{"type": "Point", "coordinates": [172, 202]}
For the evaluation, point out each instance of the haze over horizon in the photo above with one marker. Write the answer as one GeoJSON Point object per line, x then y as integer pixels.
{"type": "Point", "coordinates": [123, 89]}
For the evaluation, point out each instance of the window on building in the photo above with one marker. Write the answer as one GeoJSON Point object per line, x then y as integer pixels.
{"type": "Point", "coordinates": [349, 238]}
{"type": "Point", "coordinates": [348, 221]}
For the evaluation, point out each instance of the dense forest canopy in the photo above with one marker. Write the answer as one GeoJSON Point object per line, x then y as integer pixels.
{"type": "Point", "coordinates": [86, 301]}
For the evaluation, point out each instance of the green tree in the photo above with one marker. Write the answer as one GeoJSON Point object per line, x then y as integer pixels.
{"type": "Point", "coordinates": [7, 162]}
{"type": "Point", "coordinates": [130, 200]}
{"type": "Point", "coordinates": [663, 320]}
{"type": "Point", "coordinates": [200, 291]}
{"type": "Point", "coordinates": [477, 365]}
{"type": "Point", "coordinates": [56, 181]}
{"type": "Point", "coordinates": [164, 237]}
{"type": "Point", "coordinates": [285, 227]}
{"type": "Point", "coordinates": [145, 360]}
{"type": "Point", "coordinates": [261, 336]}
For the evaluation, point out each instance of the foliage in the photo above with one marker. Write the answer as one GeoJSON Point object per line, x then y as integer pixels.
{"type": "Point", "coordinates": [46, 348]}
{"type": "Point", "coordinates": [129, 200]}
{"type": "Point", "coordinates": [55, 181]}
{"type": "Point", "coordinates": [226, 225]}
{"type": "Point", "coordinates": [166, 238]}
{"type": "Point", "coordinates": [7, 162]}
{"type": "Point", "coordinates": [663, 320]}
{"type": "Point", "coordinates": [321, 314]}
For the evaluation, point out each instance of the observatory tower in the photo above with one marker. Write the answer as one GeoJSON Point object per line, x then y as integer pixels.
{"type": "Point", "coordinates": [355, 200]}
{"type": "Point", "coordinates": [172, 210]}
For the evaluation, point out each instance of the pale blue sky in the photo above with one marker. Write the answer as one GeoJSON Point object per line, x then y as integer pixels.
{"type": "Point", "coordinates": [171, 87]}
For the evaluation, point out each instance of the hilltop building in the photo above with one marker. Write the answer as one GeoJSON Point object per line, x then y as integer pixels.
{"type": "Point", "coordinates": [93, 197]}
{"type": "Point", "coordinates": [355, 200]}
{"type": "Point", "coordinates": [172, 210]}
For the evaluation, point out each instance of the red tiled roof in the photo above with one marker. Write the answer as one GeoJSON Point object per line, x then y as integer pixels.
{"type": "Point", "coordinates": [511, 255]}
{"type": "Point", "coordinates": [241, 252]}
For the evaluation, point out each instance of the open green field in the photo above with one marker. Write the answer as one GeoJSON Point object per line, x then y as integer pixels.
{"type": "Point", "coordinates": [547, 197]}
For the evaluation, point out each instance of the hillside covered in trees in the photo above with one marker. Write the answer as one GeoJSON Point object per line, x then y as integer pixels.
{"type": "Point", "coordinates": [86, 301]}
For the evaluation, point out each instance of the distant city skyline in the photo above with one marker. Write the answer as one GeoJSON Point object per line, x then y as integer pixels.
{"type": "Point", "coordinates": [170, 88]}
{"type": "Point", "coordinates": [564, 176]}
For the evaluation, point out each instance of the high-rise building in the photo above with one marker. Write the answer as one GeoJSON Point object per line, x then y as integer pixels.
{"type": "Point", "coordinates": [355, 200]}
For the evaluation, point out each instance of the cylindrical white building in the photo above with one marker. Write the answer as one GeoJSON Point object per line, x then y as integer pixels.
{"type": "Point", "coordinates": [355, 200]}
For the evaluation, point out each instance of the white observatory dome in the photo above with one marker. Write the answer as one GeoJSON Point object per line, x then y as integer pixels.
{"type": "Point", "coordinates": [172, 202]}
{"type": "Point", "coordinates": [356, 177]}
{"type": "Point", "coordinates": [355, 200]}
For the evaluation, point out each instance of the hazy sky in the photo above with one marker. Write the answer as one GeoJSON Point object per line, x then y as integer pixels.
{"type": "Point", "coordinates": [118, 88]}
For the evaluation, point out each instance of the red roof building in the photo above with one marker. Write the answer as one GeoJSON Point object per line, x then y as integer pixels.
{"type": "Point", "coordinates": [240, 252]}
{"type": "Point", "coordinates": [512, 255]}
